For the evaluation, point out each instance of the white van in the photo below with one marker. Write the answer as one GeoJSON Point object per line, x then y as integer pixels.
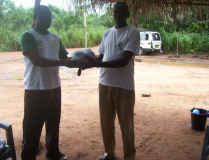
{"type": "Point", "coordinates": [150, 42]}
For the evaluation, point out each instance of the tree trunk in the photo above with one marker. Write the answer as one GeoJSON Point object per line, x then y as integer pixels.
{"type": "Point", "coordinates": [207, 20]}
{"type": "Point", "coordinates": [37, 3]}
{"type": "Point", "coordinates": [134, 15]}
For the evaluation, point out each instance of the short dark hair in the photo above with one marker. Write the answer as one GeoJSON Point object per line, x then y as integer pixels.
{"type": "Point", "coordinates": [121, 4]}
{"type": "Point", "coordinates": [40, 10]}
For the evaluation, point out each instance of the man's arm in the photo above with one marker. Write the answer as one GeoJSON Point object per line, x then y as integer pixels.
{"type": "Point", "coordinates": [120, 62]}
{"type": "Point", "coordinates": [37, 60]}
{"type": "Point", "coordinates": [30, 50]}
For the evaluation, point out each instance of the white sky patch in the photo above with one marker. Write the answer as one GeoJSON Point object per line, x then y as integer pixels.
{"type": "Point", "coordinates": [59, 3]}
{"type": "Point", "coordinates": [30, 3]}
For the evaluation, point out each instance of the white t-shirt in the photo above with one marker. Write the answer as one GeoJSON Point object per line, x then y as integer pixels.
{"type": "Point", "coordinates": [42, 78]}
{"type": "Point", "coordinates": [114, 42]}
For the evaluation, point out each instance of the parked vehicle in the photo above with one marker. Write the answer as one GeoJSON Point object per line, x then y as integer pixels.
{"type": "Point", "coordinates": [150, 41]}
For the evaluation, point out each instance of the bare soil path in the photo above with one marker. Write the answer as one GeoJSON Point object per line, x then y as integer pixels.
{"type": "Point", "coordinates": [162, 121]}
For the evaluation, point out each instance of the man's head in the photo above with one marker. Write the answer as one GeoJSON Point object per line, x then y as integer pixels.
{"type": "Point", "coordinates": [43, 17]}
{"type": "Point", "coordinates": [120, 13]}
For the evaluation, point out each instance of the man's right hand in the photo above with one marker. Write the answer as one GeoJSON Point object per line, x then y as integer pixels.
{"type": "Point", "coordinates": [70, 64]}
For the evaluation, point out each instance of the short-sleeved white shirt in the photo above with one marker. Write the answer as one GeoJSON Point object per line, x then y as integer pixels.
{"type": "Point", "coordinates": [114, 42]}
{"type": "Point", "coordinates": [43, 78]}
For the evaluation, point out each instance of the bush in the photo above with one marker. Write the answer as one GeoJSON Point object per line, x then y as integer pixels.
{"type": "Point", "coordinates": [74, 37]}
{"type": "Point", "coordinates": [67, 25]}
{"type": "Point", "coordinates": [187, 42]}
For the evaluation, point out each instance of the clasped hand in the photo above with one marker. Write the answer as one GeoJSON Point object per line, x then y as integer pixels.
{"type": "Point", "coordinates": [88, 62]}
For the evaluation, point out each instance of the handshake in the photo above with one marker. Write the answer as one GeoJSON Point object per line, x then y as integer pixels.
{"type": "Point", "coordinates": [85, 58]}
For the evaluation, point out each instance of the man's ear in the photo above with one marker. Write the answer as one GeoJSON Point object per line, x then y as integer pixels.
{"type": "Point", "coordinates": [128, 14]}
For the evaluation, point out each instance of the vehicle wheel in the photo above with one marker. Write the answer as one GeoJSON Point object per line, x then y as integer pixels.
{"type": "Point", "coordinates": [141, 51]}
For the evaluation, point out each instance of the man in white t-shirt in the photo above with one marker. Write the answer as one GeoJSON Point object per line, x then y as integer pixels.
{"type": "Point", "coordinates": [43, 54]}
{"type": "Point", "coordinates": [117, 50]}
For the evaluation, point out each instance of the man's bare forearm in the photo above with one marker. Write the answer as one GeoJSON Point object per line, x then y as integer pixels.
{"type": "Point", "coordinates": [39, 61]}
{"type": "Point", "coordinates": [112, 64]}
{"type": "Point", "coordinates": [120, 62]}
{"type": "Point", "coordinates": [44, 62]}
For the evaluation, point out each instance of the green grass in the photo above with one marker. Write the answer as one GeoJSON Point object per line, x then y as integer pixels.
{"type": "Point", "coordinates": [9, 40]}
{"type": "Point", "coordinates": [188, 43]}
{"type": "Point", "coordinates": [74, 37]}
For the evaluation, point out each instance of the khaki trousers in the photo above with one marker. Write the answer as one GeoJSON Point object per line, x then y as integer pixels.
{"type": "Point", "coordinates": [114, 100]}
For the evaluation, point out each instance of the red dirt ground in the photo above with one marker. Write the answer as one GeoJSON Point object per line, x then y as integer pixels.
{"type": "Point", "coordinates": [162, 121]}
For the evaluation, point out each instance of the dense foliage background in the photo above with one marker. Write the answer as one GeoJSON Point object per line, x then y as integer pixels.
{"type": "Point", "coordinates": [193, 36]}
{"type": "Point", "coordinates": [192, 31]}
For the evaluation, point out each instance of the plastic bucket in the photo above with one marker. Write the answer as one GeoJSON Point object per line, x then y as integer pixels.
{"type": "Point", "coordinates": [198, 121]}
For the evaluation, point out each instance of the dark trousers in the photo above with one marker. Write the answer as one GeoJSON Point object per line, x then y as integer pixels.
{"type": "Point", "coordinates": [41, 106]}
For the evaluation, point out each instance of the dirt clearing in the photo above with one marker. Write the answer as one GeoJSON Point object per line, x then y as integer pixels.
{"type": "Point", "coordinates": [162, 121]}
